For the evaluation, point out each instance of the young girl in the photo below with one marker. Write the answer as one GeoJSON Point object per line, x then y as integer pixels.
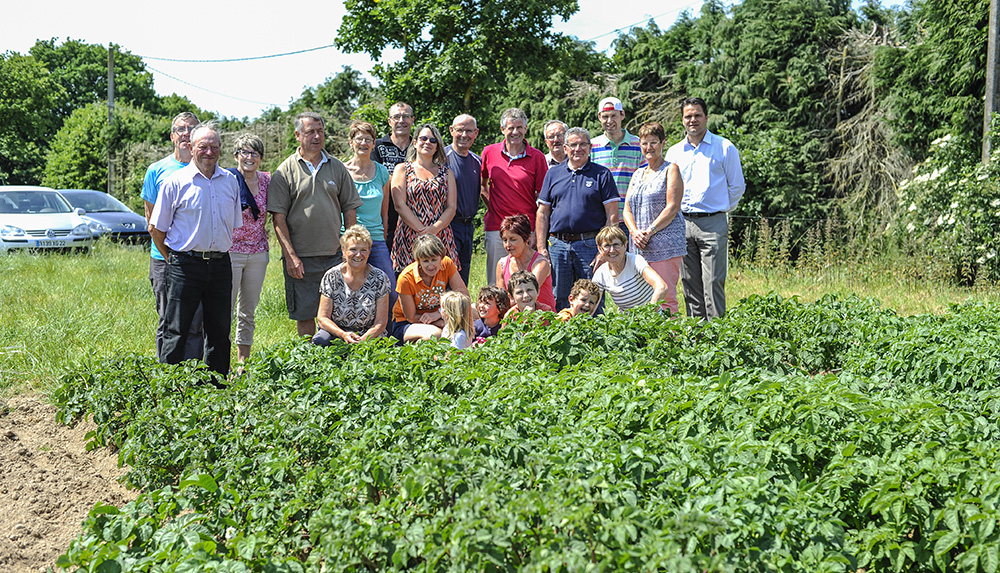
{"type": "Point", "coordinates": [523, 289]}
{"type": "Point", "coordinates": [456, 310]}
{"type": "Point", "coordinates": [492, 304]}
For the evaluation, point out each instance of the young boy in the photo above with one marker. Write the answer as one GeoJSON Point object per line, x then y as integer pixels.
{"type": "Point", "coordinates": [417, 312]}
{"type": "Point", "coordinates": [493, 303]}
{"type": "Point", "coordinates": [523, 288]}
{"type": "Point", "coordinates": [583, 299]}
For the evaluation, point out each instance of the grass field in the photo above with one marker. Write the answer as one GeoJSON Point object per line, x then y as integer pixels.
{"type": "Point", "coordinates": [56, 309]}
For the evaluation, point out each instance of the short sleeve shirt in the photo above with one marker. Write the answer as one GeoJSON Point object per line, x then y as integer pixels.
{"type": "Point", "coordinates": [156, 174]}
{"type": "Point", "coordinates": [622, 159]}
{"type": "Point", "coordinates": [514, 183]}
{"type": "Point", "coordinates": [578, 197]}
{"type": "Point", "coordinates": [468, 181]}
{"type": "Point", "coordinates": [354, 311]}
{"type": "Point", "coordinates": [386, 153]}
{"type": "Point", "coordinates": [629, 289]}
{"type": "Point", "coordinates": [198, 213]}
{"type": "Point", "coordinates": [427, 296]}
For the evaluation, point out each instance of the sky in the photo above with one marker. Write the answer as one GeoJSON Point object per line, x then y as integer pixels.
{"type": "Point", "coordinates": [228, 29]}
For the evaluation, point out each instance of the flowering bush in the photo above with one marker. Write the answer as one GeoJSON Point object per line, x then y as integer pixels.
{"type": "Point", "coordinates": [950, 212]}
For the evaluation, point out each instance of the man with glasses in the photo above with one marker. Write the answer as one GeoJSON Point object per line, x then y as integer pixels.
{"type": "Point", "coordinates": [513, 172]}
{"type": "Point", "coordinates": [555, 139]}
{"type": "Point", "coordinates": [578, 198]}
{"type": "Point", "coordinates": [180, 135]}
{"type": "Point", "coordinates": [467, 168]}
{"type": "Point", "coordinates": [390, 151]}
{"type": "Point", "coordinates": [310, 197]}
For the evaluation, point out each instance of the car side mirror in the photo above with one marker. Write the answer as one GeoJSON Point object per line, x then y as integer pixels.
{"type": "Point", "coordinates": [80, 211]}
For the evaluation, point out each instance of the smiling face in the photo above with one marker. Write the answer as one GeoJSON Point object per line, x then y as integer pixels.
{"type": "Point", "coordinates": [312, 138]}
{"type": "Point", "coordinates": [488, 311]}
{"type": "Point", "coordinates": [555, 139]}
{"type": "Point", "coordinates": [205, 150]}
{"type": "Point", "coordinates": [612, 121]}
{"type": "Point", "coordinates": [524, 295]}
{"type": "Point", "coordinates": [513, 132]}
{"type": "Point", "coordinates": [180, 135]}
{"type": "Point", "coordinates": [426, 142]}
{"type": "Point", "coordinates": [652, 148]}
{"type": "Point", "coordinates": [463, 133]}
{"type": "Point", "coordinates": [513, 243]}
{"type": "Point", "coordinates": [401, 121]}
{"type": "Point", "coordinates": [356, 254]}
{"type": "Point", "coordinates": [614, 252]}
{"type": "Point", "coordinates": [579, 150]}
{"type": "Point", "coordinates": [362, 144]}
{"type": "Point", "coordinates": [247, 160]}
{"type": "Point", "coordinates": [583, 303]}
{"type": "Point", "coordinates": [429, 267]}
{"type": "Point", "coordinates": [695, 122]}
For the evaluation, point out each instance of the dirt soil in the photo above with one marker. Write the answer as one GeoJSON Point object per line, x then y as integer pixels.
{"type": "Point", "coordinates": [48, 484]}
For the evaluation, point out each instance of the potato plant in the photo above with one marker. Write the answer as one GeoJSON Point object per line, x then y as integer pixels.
{"type": "Point", "coordinates": [834, 436]}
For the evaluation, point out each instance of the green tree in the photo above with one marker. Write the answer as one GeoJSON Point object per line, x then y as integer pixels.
{"type": "Point", "coordinates": [27, 96]}
{"type": "Point", "coordinates": [458, 55]}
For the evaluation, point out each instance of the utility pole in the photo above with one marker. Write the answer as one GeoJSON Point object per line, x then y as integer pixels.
{"type": "Point", "coordinates": [992, 89]}
{"type": "Point", "coordinates": [111, 116]}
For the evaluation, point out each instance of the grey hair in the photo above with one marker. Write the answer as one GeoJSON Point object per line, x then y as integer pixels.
{"type": "Point", "coordinates": [552, 121]}
{"type": "Point", "coordinates": [210, 125]}
{"type": "Point", "coordinates": [578, 131]}
{"type": "Point", "coordinates": [463, 117]}
{"type": "Point", "coordinates": [248, 140]}
{"type": "Point", "coordinates": [309, 115]}
{"type": "Point", "coordinates": [512, 114]}
{"type": "Point", "coordinates": [184, 116]}
{"type": "Point", "coordinates": [409, 108]}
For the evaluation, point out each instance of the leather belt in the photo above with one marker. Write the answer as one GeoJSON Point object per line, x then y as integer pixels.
{"type": "Point", "coordinates": [700, 215]}
{"type": "Point", "coordinates": [202, 255]}
{"type": "Point", "coordinates": [568, 237]}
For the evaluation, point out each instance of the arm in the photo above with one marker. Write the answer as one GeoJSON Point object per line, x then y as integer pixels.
{"type": "Point", "coordinates": [541, 270]}
{"type": "Point", "coordinates": [159, 238]}
{"type": "Point", "coordinates": [399, 200]}
{"type": "Point", "coordinates": [456, 284]}
{"type": "Point", "coordinates": [638, 235]}
{"type": "Point", "coordinates": [148, 209]}
{"type": "Point", "coordinates": [542, 228]}
{"type": "Point", "coordinates": [450, 207]}
{"type": "Point", "coordinates": [658, 284]}
{"type": "Point", "coordinates": [611, 212]}
{"type": "Point", "coordinates": [499, 275]}
{"type": "Point", "coordinates": [675, 193]}
{"type": "Point", "coordinates": [327, 324]}
{"type": "Point", "coordinates": [381, 318]}
{"type": "Point", "coordinates": [734, 175]}
{"type": "Point", "coordinates": [484, 190]}
{"type": "Point", "coordinates": [350, 218]}
{"type": "Point", "coordinates": [386, 191]}
{"type": "Point", "coordinates": [292, 262]}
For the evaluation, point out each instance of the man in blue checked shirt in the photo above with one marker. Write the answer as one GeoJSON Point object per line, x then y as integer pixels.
{"type": "Point", "coordinates": [713, 185]}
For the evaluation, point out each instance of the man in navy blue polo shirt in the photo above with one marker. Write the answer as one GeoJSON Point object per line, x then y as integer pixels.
{"type": "Point", "coordinates": [578, 198]}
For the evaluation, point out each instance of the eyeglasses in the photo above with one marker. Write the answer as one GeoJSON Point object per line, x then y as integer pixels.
{"type": "Point", "coordinates": [248, 154]}
{"type": "Point", "coordinates": [363, 139]}
{"type": "Point", "coordinates": [463, 131]}
{"type": "Point", "coordinates": [612, 246]}
{"type": "Point", "coordinates": [555, 137]}
{"type": "Point", "coordinates": [578, 145]}
{"type": "Point", "coordinates": [400, 116]}
{"type": "Point", "coordinates": [428, 139]}
{"type": "Point", "coordinates": [184, 129]}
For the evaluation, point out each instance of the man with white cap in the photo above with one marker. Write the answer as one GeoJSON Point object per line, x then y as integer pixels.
{"type": "Point", "coordinates": [616, 149]}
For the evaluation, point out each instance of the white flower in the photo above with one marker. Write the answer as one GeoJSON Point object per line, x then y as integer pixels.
{"type": "Point", "coordinates": [951, 219]}
{"type": "Point", "coordinates": [980, 260]}
{"type": "Point", "coordinates": [938, 172]}
{"type": "Point", "coordinates": [982, 176]}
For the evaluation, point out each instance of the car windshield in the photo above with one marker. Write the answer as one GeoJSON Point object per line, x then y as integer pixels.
{"type": "Point", "coordinates": [94, 201]}
{"type": "Point", "coordinates": [32, 202]}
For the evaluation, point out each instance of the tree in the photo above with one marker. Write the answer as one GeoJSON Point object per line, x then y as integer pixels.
{"type": "Point", "coordinates": [458, 55]}
{"type": "Point", "coordinates": [27, 96]}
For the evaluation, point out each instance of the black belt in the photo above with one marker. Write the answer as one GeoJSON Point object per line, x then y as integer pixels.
{"type": "Point", "coordinates": [465, 220]}
{"type": "Point", "coordinates": [203, 255]}
{"type": "Point", "coordinates": [700, 215]}
{"type": "Point", "coordinates": [573, 236]}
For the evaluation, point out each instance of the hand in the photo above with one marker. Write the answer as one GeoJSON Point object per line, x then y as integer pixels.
{"type": "Point", "coordinates": [429, 317]}
{"type": "Point", "coordinates": [640, 238]}
{"type": "Point", "coordinates": [544, 252]}
{"type": "Point", "coordinates": [294, 266]}
{"type": "Point", "coordinates": [351, 337]}
{"type": "Point", "coordinates": [598, 261]}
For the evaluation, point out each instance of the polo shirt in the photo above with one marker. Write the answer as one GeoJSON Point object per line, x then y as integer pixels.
{"type": "Point", "coordinates": [313, 203]}
{"type": "Point", "coordinates": [621, 158]}
{"type": "Point", "coordinates": [578, 197]}
{"type": "Point", "coordinates": [514, 183]}
{"type": "Point", "coordinates": [426, 296]}
{"type": "Point", "coordinates": [156, 174]}
{"type": "Point", "coordinates": [468, 181]}
{"type": "Point", "coordinates": [712, 174]}
{"type": "Point", "coordinates": [386, 152]}
{"type": "Point", "coordinates": [198, 213]}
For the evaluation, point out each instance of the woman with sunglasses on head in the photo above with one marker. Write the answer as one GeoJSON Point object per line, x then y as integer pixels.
{"type": "Point", "coordinates": [249, 253]}
{"type": "Point", "coordinates": [423, 190]}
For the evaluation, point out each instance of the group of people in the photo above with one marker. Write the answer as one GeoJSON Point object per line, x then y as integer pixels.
{"type": "Point", "coordinates": [381, 244]}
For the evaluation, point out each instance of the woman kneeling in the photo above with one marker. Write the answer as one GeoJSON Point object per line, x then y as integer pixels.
{"type": "Point", "coordinates": [417, 312]}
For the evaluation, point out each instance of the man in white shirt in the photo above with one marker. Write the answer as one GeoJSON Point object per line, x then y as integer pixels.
{"type": "Point", "coordinates": [713, 186]}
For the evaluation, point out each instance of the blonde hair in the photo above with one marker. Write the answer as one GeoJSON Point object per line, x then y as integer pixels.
{"type": "Point", "coordinates": [355, 234]}
{"type": "Point", "coordinates": [458, 307]}
{"type": "Point", "coordinates": [428, 247]}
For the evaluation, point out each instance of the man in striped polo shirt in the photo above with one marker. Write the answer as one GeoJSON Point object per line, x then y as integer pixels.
{"type": "Point", "coordinates": [616, 149]}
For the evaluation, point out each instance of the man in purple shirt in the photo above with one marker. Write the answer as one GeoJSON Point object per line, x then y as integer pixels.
{"type": "Point", "coordinates": [192, 226]}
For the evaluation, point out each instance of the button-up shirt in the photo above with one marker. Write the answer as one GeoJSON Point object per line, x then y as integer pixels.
{"type": "Point", "coordinates": [577, 197]}
{"type": "Point", "coordinates": [712, 174]}
{"type": "Point", "coordinates": [622, 158]}
{"type": "Point", "coordinates": [198, 213]}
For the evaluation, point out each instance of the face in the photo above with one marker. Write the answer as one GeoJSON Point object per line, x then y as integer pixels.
{"type": "Point", "coordinates": [695, 121]}
{"type": "Point", "coordinates": [247, 159]}
{"type": "Point", "coordinates": [312, 138]}
{"type": "Point", "coordinates": [555, 138]}
{"type": "Point", "coordinates": [463, 134]}
{"type": "Point", "coordinates": [180, 133]}
{"type": "Point", "coordinates": [583, 303]}
{"type": "Point", "coordinates": [356, 253]}
{"type": "Point", "coordinates": [614, 251]}
{"type": "Point", "coordinates": [362, 143]}
{"type": "Point", "coordinates": [401, 120]}
{"type": "Point", "coordinates": [426, 142]}
{"type": "Point", "coordinates": [513, 243]}
{"type": "Point", "coordinates": [578, 148]}
{"type": "Point", "coordinates": [652, 147]}
{"type": "Point", "coordinates": [524, 294]}
{"type": "Point", "coordinates": [611, 121]}
{"type": "Point", "coordinates": [514, 131]}
{"type": "Point", "coordinates": [205, 149]}
{"type": "Point", "coordinates": [488, 309]}
{"type": "Point", "coordinates": [430, 267]}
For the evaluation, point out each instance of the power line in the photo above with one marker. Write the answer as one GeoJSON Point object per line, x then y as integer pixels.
{"type": "Point", "coordinates": [211, 91]}
{"type": "Point", "coordinates": [644, 20]}
{"type": "Point", "coordinates": [237, 59]}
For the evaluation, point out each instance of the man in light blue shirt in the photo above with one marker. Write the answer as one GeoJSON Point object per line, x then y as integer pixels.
{"type": "Point", "coordinates": [180, 135]}
{"type": "Point", "coordinates": [713, 186]}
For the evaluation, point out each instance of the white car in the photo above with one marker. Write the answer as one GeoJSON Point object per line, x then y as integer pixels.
{"type": "Point", "coordinates": [38, 218]}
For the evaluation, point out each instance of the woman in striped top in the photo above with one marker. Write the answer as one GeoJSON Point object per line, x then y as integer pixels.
{"type": "Point", "coordinates": [628, 278]}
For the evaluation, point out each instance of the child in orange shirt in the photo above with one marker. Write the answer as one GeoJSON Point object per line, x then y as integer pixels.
{"type": "Point", "coordinates": [583, 299]}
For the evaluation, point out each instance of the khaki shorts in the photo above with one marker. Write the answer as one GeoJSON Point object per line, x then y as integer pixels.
{"type": "Point", "coordinates": [302, 295]}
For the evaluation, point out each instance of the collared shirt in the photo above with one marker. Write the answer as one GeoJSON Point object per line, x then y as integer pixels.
{"type": "Point", "coordinates": [621, 158]}
{"type": "Point", "coordinates": [156, 174]}
{"type": "Point", "coordinates": [712, 174]}
{"type": "Point", "coordinates": [386, 152]}
{"type": "Point", "coordinates": [553, 161]}
{"type": "Point", "coordinates": [196, 212]}
{"type": "Point", "coordinates": [468, 181]}
{"type": "Point", "coordinates": [514, 183]}
{"type": "Point", "coordinates": [578, 197]}
{"type": "Point", "coordinates": [313, 168]}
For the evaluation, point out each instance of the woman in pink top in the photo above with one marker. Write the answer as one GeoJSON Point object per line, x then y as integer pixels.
{"type": "Point", "coordinates": [249, 253]}
{"type": "Point", "coordinates": [514, 232]}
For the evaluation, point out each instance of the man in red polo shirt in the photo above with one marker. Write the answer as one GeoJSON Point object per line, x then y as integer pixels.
{"type": "Point", "coordinates": [513, 172]}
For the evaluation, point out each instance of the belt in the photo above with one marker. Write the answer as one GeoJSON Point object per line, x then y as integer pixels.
{"type": "Point", "coordinates": [573, 236]}
{"type": "Point", "coordinates": [465, 220]}
{"type": "Point", "coordinates": [203, 255]}
{"type": "Point", "coordinates": [700, 215]}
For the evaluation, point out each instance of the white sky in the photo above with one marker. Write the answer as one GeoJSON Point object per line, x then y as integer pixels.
{"type": "Point", "coordinates": [225, 29]}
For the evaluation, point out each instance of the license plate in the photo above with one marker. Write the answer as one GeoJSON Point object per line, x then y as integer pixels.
{"type": "Point", "coordinates": [51, 243]}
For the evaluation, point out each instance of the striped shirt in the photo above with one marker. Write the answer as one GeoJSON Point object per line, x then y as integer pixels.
{"type": "Point", "coordinates": [629, 289]}
{"type": "Point", "coordinates": [622, 159]}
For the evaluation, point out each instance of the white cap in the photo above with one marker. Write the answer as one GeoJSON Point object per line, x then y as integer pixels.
{"type": "Point", "coordinates": [610, 104]}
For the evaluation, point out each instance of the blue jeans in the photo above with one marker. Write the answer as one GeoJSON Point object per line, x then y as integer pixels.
{"type": "Point", "coordinates": [571, 261]}
{"type": "Point", "coordinates": [464, 236]}
{"type": "Point", "coordinates": [380, 259]}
